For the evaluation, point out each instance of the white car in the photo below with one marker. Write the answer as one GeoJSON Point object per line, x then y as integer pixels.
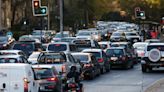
{"type": "Point", "coordinates": [17, 78]}
{"type": "Point", "coordinates": [83, 34]}
{"type": "Point", "coordinates": [132, 37]}
{"type": "Point", "coordinates": [34, 57]}
{"type": "Point", "coordinates": [12, 52]}
{"type": "Point", "coordinates": [140, 48]}
{"type": "Point", "coordinates": [104, 44]}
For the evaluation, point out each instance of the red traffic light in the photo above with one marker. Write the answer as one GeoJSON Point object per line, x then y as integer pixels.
{"type": "Point", "coordinates": [36, 3]}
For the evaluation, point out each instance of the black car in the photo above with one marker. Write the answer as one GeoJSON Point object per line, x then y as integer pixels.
{"type": "Point", "coordinates": [119, 57]}
{"type": "Point", "coordinates": [90, 66]}
{"type": "Point", "coordinates": [27, 47]}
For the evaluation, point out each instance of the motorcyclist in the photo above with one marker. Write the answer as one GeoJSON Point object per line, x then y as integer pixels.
{"type": "Point", "coordinates": [74, 74]}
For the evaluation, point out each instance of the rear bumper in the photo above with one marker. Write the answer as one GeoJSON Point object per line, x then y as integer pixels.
{"type": "Point", "coordinates": [151, 64]}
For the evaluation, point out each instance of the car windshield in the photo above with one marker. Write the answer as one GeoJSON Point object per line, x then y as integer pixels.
{"type": "Point", "coordinates": [37, 33]}
{"type": "Point", "coordinates": [3, 39]}
{"type": "Point", "coordinates": [8, 60]}
{"type": "Point", "coordinates": [161, 48]}
{"type": "Point", "coordinates": [103, 46]}
{"type": "Point", "coordinates": [117, 34]}
{"type": "Point", "coordinates": [24, 47]}
{"type": "Point", "coordinates": [84, 34]}
{"type": "Point", "coordinates": [116, 52]}
{"type": "Point", "coordinates": [96, 54]}
{"type": "Point", "coordinates": [43, 73]}
{"type": "Point", "coordinates": [82, 58]}
{"type": "Point", "coordinates": [131, 34]}
{"type": "Point", "coordinates": [57, 47]}
{"type": "Point", "coordinates": [60, 36]}
{"type": "Point", "coordinates": [53, 59]}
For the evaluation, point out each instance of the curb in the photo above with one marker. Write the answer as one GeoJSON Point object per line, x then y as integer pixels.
{"type": "Point", "coordinates": [155, 86]}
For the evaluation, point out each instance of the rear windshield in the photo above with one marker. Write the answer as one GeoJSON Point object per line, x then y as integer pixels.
{"type": "Point", "coordinates": [117, 52]}
{"type": "Point", "coordinates": [43, 73]}
{"type": "Point", "coordinates": [8, 60]}
{"type": "Point", "coordinates": [57, 47]}
{"type": "Point", "coordinates": [24, 47]}
{"type": "Point", "coordinates": [161, 48]}
{"type": "Point", "coordinates": [7, 53]}
{"type": "Point", "coordinates": [53, 59]}
{"type": "Point", "coordinates": [82, 58]}
{"type": "Point", "coordinates": [96, 54]}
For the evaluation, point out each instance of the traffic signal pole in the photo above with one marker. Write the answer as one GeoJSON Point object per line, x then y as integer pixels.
{"type": "Point", "coordinates": [0, 14]}
{"type": "Point", "coordinates": [61, 16]}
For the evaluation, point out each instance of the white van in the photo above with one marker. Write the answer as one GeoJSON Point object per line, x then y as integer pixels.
{"type": "Point", "coordinates": [17, 78]}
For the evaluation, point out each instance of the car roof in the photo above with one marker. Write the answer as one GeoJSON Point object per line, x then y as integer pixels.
{"type": "Point", "coordinates": [15, 65]}
{"type": "Point", "coordinates": [116, 48]}
{"type": "Point", "coordinates": [156, 44]}
{"type": "Point", "coordinates": [92, 50]}
{"type": "Point", "coordinates": [9, 56]}
{"type": "Point", "coordinates": [43, 66]}
{"type": "Point", "coordinates": [60, 43]}
{"type": "Point", "coordinates": [12, 51]}
{"type": "Point", "coordinates": [81, 53]}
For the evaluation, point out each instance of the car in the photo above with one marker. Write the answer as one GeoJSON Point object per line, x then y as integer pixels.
{"type": "Point", "coordinates": [82, 44]}
{"type": "Point", "coordinates": [58, 36]}
{"type": "Point", "coordinates": [101, 59]}
{"type": "Point", "coordinates": [153, 57]}
{"type": "Point", "coordinates": [68, 39]}
{"type": "Point", "coordinates": [27, 47]}
{"type": "Point", "coordinates": [34, 57]}
{"type": "Point", "coordinates": [119, 57]}
{"type": "Point", "coordinates": [128, 47]}
{"type": "Point", "coordinates": [13, 59]}
{"type": "Point", "coordinates": [117, 36]}
{"type": "Point", "coordinates": [95, 35]}
{"type": "Point", "coordinates": [6, 42]}
{"type": "Point", "coordinates": [41, 34]}
{"type": "Point", "coordinates": [132, 37]}
{"type": "Point", "coordinates": [61, 47]}
{"type": "Point", "coordinates": [140, 49]}
{"type": "Point", "coordinates": [83, 34]}
{"type": "Point", "coordinates": [90, 67]}
{"type": "Point", "coordinates": [17, 78]}
{"type": "Point", "coordinates": [153, 40]}
{"type": "Point", "coordinates": [30, 38]}
{"type": "Point", "coordinates": [48, 78]}
{"type": "Point", "coordinates": [104, 44]}
{"type": "Point", "coordinates": [61, 61]}
{"type": "Point", "coordinates": [12, 52]}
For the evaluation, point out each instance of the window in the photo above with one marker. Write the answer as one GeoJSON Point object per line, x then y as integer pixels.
{"type": "Point", "coordinates": [57, 47]}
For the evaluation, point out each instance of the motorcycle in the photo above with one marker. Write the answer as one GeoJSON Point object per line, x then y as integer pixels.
{"type": "Point", "coordinates": [72, 86]}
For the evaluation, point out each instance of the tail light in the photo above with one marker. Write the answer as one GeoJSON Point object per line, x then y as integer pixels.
{"type": "Point", "coordinates": [100, 60]}
{"type": "Point", "coordinates": [72, 85]}
{"type": "Point", "coordinates": [88, 65]}
{"type": "Point", "coordinates": [63, 68]}
{"type": "Point", "coordinates": [123, 58]}
{"type": "Point", "coordinates": [25, 84]}
{"type": "Point", "coordinates": [54, 79]}
{"type": "Point", "coordinates": [142, 54]}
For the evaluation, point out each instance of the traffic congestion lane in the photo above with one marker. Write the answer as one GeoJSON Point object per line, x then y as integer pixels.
{"type": "Point", "coordinates": [132, 80]}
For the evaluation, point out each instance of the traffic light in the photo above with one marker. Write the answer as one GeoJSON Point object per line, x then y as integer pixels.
{"type": "Point", "coordinates": [39, 10]}
{"type": "Point", "coordinates": [139, 13]}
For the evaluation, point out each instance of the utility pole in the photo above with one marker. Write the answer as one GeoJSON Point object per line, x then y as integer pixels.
{"type": "Point", "coordinates": [61, 16]}
{"type": "Point", "coordinates": [48, 15]}
{"type": "Point", "coordinates": [0, 14]}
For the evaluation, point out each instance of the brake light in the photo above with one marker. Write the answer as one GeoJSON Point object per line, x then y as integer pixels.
{"type": "Point", "coordinates": [63, 68]}
{"type": "Point", "coordinates": [88, 65]}
{"type": "Point", "coordinates": [100, 60]}
{"type": "Point", "coordinates": [25, 84]}
{"type": "Point", "coordinates": [142, 54]}
{"type": "Point", "coordinates": [54, 79]}
{"type": "Point", "coordinates": [123, 58]}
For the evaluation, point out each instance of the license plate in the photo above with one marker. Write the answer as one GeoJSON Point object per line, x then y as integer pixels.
{"type": "Point", "coordinates": [42, 88]}
{"type": "Point", "coordinates": [114, 58]}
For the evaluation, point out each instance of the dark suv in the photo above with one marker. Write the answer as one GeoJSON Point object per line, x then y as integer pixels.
{"type": "Point", "coordinates": [120, 57]}
{"type": "Point", "coordinates": [154, 57]}
{"type": "Point", "coordinates": [27, 47]}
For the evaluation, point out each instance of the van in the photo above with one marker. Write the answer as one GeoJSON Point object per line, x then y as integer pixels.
{"type": "Point", "coordinates": [17, 78]}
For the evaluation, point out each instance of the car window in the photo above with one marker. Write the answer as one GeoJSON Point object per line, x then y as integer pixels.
{"type": "Point", "coordinates": [8, 60]}
{"type": "Point", "coordinates": [161, 48]}
{"type": "Point", "coordinates": [116, 52]}
{"type": "Point", "coordinates": [24, 47]}
{"type": "Point", "coordinates": [82, 58]}
{"type": "Point", "coordinates": [43, 73]}
{"type": "Point", "coordinates": [57, 47]}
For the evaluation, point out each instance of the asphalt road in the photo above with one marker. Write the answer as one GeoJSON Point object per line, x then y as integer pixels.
{"type": "Point", "coordinates": [118, 80]}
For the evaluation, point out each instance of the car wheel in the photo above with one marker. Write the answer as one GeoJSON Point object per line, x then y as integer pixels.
{"type": "Point", "coordinates": [108, 68]}
{"type": "Point", "coordinates": [144, 68]}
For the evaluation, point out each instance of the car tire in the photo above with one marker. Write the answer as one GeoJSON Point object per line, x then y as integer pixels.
{"type": "Point", "coordinates": [108, 68]}
{"type": "Point", "coordinates": [144, 68]}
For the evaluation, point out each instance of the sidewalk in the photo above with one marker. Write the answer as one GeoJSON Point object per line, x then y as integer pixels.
{"type": "Point", "coordinates": [156, 87]}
